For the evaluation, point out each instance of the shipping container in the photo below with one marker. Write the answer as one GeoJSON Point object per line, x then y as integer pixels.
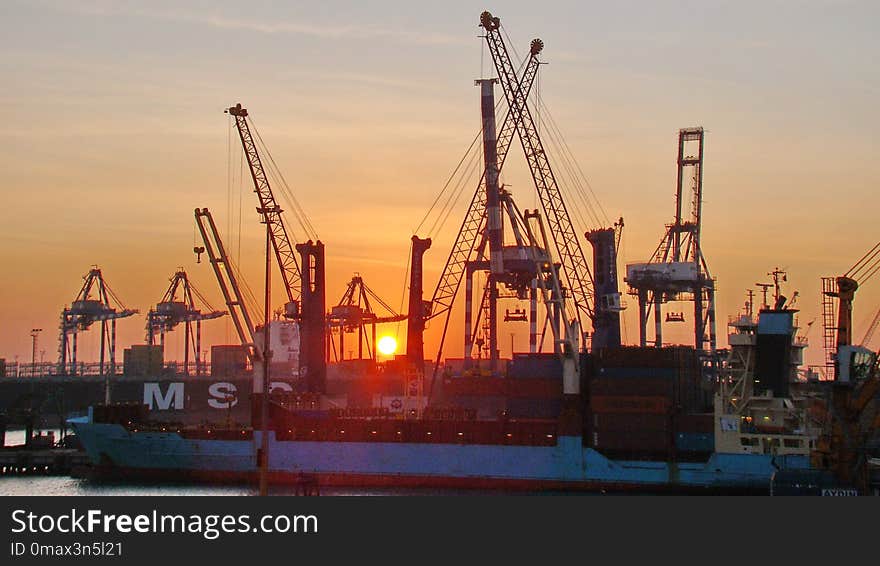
{"type": "Point", "coordinates": [142, 360]}
{"type": "Point", "coordinates": [486, 406]}
{"type": "Point", "coordinates": [695, 423]}
{"type": "Point", "coordinates": [640, 371]}
{"type": "Point", "coordinates": [535, 366]}
{"type": "Point", "coordinates": [228, 360]}
{"type": "Point", "coordinates": [637, 372]}
{"type": "Point", "coordinates": [534, 388]}
{"type": "Point", "coordinates": [660, 387]}
{"type": "Point", "coordinates": [630, 422]}
{"type": "Point", "coordinates": [534, 408]}
{"type": "Point", "coordinates": [455, 386]}
{"type": "Point", "coordinates": [629, 404]}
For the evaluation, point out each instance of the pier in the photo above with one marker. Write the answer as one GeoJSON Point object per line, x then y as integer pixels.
{"type": "Point", "coordinates": [16, 461]}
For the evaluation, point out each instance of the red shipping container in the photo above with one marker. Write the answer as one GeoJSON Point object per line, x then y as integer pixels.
{"type": "Point", "coordinates": [698, 422]}
{"type": "Point", "coordinates": [629, 404]}
{"type": "Point", "coordinates": [628, 422]}
{"type": "Point", "coordinates": [632, 386]}
{"type": "Point", "coordinates": [534, 388]}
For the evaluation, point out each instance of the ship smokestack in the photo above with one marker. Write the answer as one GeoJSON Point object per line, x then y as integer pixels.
{"type": "Point", "coordinates": [419, 309]}
{"type": "Point", "coordinates": [494, 228]}
{"type": "Point", "coordinates": [313, 333]}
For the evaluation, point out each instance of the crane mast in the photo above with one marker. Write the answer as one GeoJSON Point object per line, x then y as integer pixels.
{"type": "Point", "coordinates": [271, 213]}
{"type": "Point", "coordinates": [574, 265]}
{"type": "Point", "coordinates": [472, 228]}
{"type": "Point", "coordinates": [841, 290]}
{"type": "Point", "coordinates": [171, 311]}
{"type": "Point", "coordinates": [474, 221]}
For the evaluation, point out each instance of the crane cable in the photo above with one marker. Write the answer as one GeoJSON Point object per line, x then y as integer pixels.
{"type": "Point", "coordinates": [405, 285]}
{"type": "Point", "coordinates": [459, 177]}
{"type": "Point", "coordinates": [287, 193]}
{"type": "Point", "coordinates": [201, 297]}
{"type": "Point", "coordinates": [867, 266]}
{"type": "Point", "coordinates": [564, 152]}
{"type": "Point", "coordinates": [446, 184]}
{"type": "Point", "coordinates": [588, 195]}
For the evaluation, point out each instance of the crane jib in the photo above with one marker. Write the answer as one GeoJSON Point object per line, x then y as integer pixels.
{"type": "Point", "coordinates": [271, 212]}
{"type": "Point", "coordinates": [574, 264]}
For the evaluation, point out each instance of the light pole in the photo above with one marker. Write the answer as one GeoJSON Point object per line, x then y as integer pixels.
{"type": "Point", "coordinates": [267, 359]}
{"type": "Point", "coordinates": [35, 332]}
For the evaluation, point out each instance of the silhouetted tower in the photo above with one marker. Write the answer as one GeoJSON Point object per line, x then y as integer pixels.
{"type": "Point", "coordinates": [313, 329]}
{"type": "Point", "coordinates": [95, 302]}
{"type": "Point", "coordinates": [677, 271]}
{"type": "Point", "coordinates": [418, 309]}
{"type": "Point", "coordinates": [173, 310]}
{"type": "Point", "coordinates": [607, 306]}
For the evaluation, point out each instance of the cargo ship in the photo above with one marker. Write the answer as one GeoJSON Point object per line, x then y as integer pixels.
{"type": "Point", "coordinates": [649, 419]}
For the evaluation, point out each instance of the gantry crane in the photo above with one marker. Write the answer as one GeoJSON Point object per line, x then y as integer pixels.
{"type": "Point", "coordinates": [677, 270]}
{"type": "Point", "coordinates": [354, 312]}
{"type": "Point", "coordinates": [95, 302]}
{"type": "Point", "coordinates": [171, 311]}
{"type": "Point", "coordinates": [841, 290]}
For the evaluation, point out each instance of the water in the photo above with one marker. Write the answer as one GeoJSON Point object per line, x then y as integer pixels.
{"type": "Point", "coordinates": [61, 485]}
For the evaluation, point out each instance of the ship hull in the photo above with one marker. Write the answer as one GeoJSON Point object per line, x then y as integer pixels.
{"type": "Point", "coordinates": [567, 465]}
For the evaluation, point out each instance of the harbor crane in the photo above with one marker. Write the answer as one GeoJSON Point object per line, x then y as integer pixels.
{"type": "Point", "coordinates": [838, 294]}
{"type": "Point", "coordinates": [479, 244]}
{"type": "Point", "coordinates": [95, 302]}
{"type": "Point", "coordinates": [851, 423]}
{"type": "Point", "coordinates": [354, 313]}
{"type": "Point", "coordinates": [173, 310]}
{"type": "Point", "coordinates": [469, 237]}
{"type": "Point", "coordinates": [574, 267]}
{"type": "Point", "coordinates": [677, 270]}
{"type": "Point", "coordinates": [226, 276]}
{"type": "Point", "coordinates": [270, 212]}
{"type": "Point", "coordinates": [303, 281]}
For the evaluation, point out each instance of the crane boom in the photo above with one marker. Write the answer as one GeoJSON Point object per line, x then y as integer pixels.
{"type": "Point", "coordinates": [228, 283]}
{"type": "Point", "coordinates": [574, 265]}
{"type": "Point", "coordinates": [475, 219]}
{"type": "Point", "coordinates": [271, 213]}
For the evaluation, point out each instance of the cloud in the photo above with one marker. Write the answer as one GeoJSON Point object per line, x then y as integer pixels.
{"type": "Point", "coordinates": [350, 31]}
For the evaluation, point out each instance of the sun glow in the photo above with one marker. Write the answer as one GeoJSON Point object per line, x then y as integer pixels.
{"type": "Point", "coordinates": [387, 345]}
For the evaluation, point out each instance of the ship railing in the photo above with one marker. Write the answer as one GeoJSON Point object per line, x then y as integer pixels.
{"type": "Point", "coordinates": [52, 369]}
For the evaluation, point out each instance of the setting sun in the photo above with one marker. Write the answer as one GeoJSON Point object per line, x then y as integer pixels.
{"type": "Point", "coordinates": [387, 345]}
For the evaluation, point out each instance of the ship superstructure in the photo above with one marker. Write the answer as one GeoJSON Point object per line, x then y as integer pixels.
{"type": "Point", "coordinates": [756, 409]}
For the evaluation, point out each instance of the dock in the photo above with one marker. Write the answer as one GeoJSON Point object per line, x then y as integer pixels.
{"type": "Point", "coordinates": [46, 462]}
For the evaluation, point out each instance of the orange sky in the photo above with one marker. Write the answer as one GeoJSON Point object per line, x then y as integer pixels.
{"type": "Point", "coordinates": [114, 132]}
